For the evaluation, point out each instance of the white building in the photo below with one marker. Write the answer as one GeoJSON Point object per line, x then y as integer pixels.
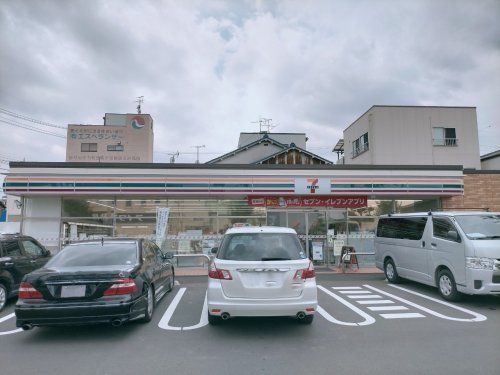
{"type": "Point", "coordinates": [413, 135]}
{"type": "Point", "coordinates": [491, 161]}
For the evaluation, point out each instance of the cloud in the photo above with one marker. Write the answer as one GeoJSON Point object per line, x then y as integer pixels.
{"type": "Point", "coordinates": [208, 69]}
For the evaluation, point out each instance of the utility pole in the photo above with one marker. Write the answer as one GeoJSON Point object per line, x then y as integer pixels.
{"type": "Point", "coordinates": [198, 153]}
{"type": "Point", "coordinates": [173, 156]}
{"type": "Point", "coordinates": [139, 101]}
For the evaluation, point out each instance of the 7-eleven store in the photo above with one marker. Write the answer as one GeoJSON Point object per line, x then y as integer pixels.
{"type": "Point", "coordinates": [187, 207]}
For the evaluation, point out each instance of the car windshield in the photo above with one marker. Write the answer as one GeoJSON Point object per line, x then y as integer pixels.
{"type": "Point", "coordinates": [261, 247]}
{"type": "Point", "coordinates": [96, 254]}
{"type": "Point", "coordinates": [480, 227]}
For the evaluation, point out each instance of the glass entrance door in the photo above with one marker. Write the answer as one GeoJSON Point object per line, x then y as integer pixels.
{"type": "Point", "coordinates": [298, 221]}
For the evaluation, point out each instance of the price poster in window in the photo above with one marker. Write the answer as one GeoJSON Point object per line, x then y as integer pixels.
{"type": "Point", "coordinates": [317, 250]}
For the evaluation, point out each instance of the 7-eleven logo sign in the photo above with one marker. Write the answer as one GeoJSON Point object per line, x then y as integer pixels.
{"type": "Point", "coordinates": [312, 185]}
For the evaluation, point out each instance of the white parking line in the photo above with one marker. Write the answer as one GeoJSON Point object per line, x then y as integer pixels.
{"type": "Point", "coordinates": [367, 318]}
{"type": "Point", "coordinates": [355, 292]}
{"type": "Point", "coordinates": [165, 319]}
{"type": "Point", "coordinates": [346, 287]}
{"type": "Point", "coordinates": [203, 318]}
{"type": "Point", "coordinates": [7, 317]}
{"type": "Point", "coordinates": [176, 282]}
{"type": "Point", "coordinates": [477, 317]}
{"type": "Point", "coordinates": [375, 302]}
{"type": "Point", "coordinates": [402, 316]}
{"type": "Point", "coordinates": [363, 296]}
{"type": "Point", "coordinates": [386, 308]}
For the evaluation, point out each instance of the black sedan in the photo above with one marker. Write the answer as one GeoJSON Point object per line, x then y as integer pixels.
{"type": "Point", "coordinates": [103, 281]}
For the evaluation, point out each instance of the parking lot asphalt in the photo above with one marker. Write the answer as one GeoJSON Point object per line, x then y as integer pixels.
{"type": "Point", "coordinates": [363, 326]}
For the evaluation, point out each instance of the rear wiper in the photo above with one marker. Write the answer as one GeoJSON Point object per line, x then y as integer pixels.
{"type": "Point", "coordinates": [267, 259]}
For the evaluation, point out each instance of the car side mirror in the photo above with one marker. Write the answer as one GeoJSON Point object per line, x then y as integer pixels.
{"type": "Point", "coordinates": [168, 255]}
{"type": "Point", "coordinates": [214, 250]}
{"type": "Point", "coordinates": [47, 253]}
{"type": "Point", "coordinates": [453, 235]}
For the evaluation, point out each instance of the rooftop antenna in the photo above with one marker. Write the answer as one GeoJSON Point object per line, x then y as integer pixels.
{"type": "Point", "coordinates": [139, 101]}
{"type": "Point", "coordinates": [173, 156]}
{"type": "Point", "coordinates": [198, 153]}
{"type": "Point", "coordinates": [265, 123]}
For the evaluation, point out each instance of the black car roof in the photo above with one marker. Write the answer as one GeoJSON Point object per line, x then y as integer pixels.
{"type": "Point", "coordinates": [11, 236]}
{"type": "Point", "coordinates": [104, 239]}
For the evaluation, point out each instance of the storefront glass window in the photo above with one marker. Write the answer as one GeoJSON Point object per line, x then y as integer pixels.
{"type": "Point", "coordinates": [276, 218]}
{"type": "Point", "coordinates": [238, 208]}
{"type": "Point", "coordinates": [88, 207]}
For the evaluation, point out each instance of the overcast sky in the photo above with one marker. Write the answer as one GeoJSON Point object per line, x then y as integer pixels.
{"type": "Point", "coordinates": [208, 69]}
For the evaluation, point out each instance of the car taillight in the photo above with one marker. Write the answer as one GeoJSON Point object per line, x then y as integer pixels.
{"type": "Point", "coordinates": [305, 273]}
{"type": "Point", "coordinates": [215, 273]}
{"type": "Point", "coordinates": [123, 286]}
{"type": "Point", "coordinates": [27, 291]}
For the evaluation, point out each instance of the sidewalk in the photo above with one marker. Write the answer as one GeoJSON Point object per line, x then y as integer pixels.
{"type": "Point", "coordinates": [202, 271]}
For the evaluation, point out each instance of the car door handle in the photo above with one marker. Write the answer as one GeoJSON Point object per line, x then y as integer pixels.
{"type": "Point", "coordinates": [32, 261]}
{"type": "Point", "coordinates": [433, 244]}
{"type": "Point", "coordinates": [423, 243]}
{"type": "Point", "coordinates": [8, 264]}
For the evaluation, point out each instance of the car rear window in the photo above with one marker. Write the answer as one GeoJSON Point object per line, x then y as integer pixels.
{"type": "Point", "coordinates": [96, 254]}
{"type": "Point", "coordinates": [261, 247]}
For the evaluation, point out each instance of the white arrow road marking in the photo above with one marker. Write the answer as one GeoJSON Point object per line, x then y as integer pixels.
{"type": "Point", "coordinates": [163, 324]}
{"type": "Point", "coordinates": [477, 317]}
{"type": "Point", "coordinates": [368, 319]}
{"type": "Point", "coordinates": [7, 317]}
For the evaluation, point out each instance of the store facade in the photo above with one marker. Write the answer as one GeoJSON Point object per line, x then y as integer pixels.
{"type": "Point", "coordinates": [187, 207]}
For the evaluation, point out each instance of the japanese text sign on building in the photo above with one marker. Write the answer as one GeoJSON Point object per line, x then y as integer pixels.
{"type": "Point", "coordinates": [309, 201]}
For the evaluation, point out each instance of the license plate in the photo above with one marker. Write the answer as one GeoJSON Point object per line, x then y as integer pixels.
{"type": "Point", "coordinates": [68, 291]}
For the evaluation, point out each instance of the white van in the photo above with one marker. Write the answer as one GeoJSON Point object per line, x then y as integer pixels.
{"type": "Point", "coordinates": [458, 252]}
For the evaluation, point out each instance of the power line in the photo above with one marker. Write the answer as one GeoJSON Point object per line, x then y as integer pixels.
{"type": "Point", "coordinates": [29, 127]}
{"type": "Point", "coordinates": [26, 118]}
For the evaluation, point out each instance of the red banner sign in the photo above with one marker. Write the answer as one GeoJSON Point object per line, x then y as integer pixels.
{"type": "Point", "coordinates": [308, 201]}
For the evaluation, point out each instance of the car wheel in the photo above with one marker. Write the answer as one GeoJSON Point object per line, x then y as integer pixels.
{"type": "Point", "coordinates": [447, 286]}
{"type": "Point", "coordinates": [390, 272]}
{"type": "Point", "coordinates": [214, 319]}
{"type": "Point", "coordinates": [150, 298]}
{"type": "Point", "coordinates": [308, 319]}
{"type": "Point", "coordinates": [3, 296]}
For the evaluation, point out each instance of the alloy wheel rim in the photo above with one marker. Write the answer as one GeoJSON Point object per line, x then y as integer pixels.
{"type": "Point", "coordinates": [445, 285]}
{"type": "Point", "coordinates": [150, 302]}
{"type": "Point", "coordinates": [389, 269]}
{"type": "Point", "coordinates": [3, 297]}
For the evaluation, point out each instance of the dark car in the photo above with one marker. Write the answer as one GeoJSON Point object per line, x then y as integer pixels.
{"type": "Point", "coordinates": [19, 255]}
{"type": "Point", "coordinates": [102, 281]}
